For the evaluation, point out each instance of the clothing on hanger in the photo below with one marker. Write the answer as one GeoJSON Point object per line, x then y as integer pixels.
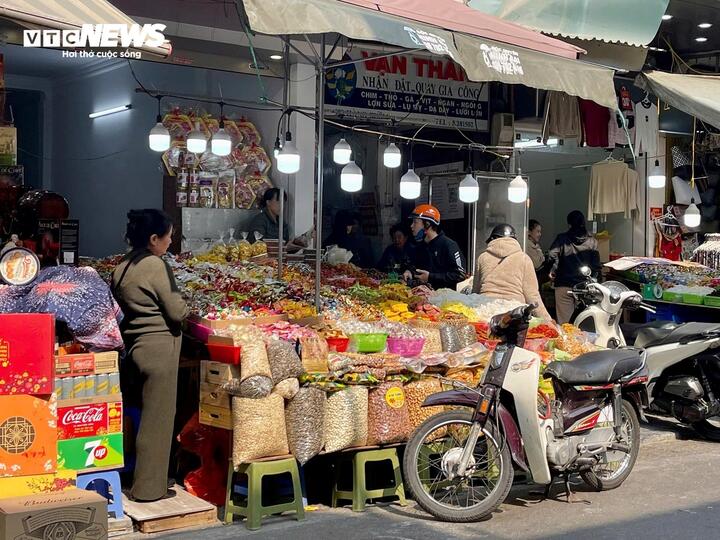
{"type": "Point", "coordinates": [562, 117]}
{"type": "Point", "coordinates": [708, 253]}
{"type": "Point", "coordinates": [613, 188]}
{"type": "Point", "coordinates": [616, 133]}
{"type": "Point", "coordinates": [646, 129]}
{"type": "Point", "coordinates": [595, 120]}
{"type": "Point", "coordinates": [668, 237]}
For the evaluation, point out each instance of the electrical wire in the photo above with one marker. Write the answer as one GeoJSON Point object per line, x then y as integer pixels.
{"type": "Point", "coordinates": [96, 158]}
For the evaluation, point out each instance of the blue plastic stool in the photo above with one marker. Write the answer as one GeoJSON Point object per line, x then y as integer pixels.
{"type": "Point", "coordinates": [107, 484]}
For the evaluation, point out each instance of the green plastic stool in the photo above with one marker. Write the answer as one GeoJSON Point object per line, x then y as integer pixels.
{"type": "Point", "coordinates": [254, 510]}
{"type": "Point", "coordinates": [360, 494]}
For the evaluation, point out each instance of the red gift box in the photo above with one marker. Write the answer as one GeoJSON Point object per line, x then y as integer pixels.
{"type": "Point", "coordinates": [27, 343]}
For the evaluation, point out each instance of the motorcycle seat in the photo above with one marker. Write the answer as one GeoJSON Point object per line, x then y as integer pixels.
{"type": "Point", "coordinates": [597, 368]}
{"type": "Point", "coordinates": [631, 330]}
{"type": "Point", "coordinates": [672, 333]}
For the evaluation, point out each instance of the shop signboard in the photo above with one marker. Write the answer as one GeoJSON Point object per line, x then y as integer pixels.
{"type": "Point", "coordinates": [412, 89]}
{"type": "Point", "coordinates": [89, 453]}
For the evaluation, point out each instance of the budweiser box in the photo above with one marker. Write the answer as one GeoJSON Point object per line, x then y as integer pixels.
{"type": "Point", "coordinates": [28, 435]}
{"type": "Point", "coordinates": [89, 417]}
{"type": "Point", "coordinates": [72, 365]}
{"type": "Point", "coordinates": [72, 515]}
{"type": "Point", "coordinates": [19, 486]}
{"type": "Point", "coordinates": [27, 343]}
{"type": "Point", "coordinates": [88, 454]}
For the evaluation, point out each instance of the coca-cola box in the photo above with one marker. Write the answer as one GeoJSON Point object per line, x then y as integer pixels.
{"type": "Point", "coordinates": [27, 342]}
{"type": "Point", "coordinates": [89, 417]}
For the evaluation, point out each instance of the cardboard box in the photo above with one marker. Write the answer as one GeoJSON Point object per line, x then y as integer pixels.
{"type": "Point", "coordinates": [20, 486]}
{"type": "Point", "coordinates": [72, 515]}
{"type": "Point", "coordinates": [28, 435]}
{"type": "Point", "coordinates": [27, 343]}
{"type": "Point", "coordinates": [215, 416]}
{"type": "Point", "coordinates": [217, 372]}
{"type": "Point", "coordinates": [72, 365]}
{"type": "Point", "coordinates": [88, 454]}
{"type": "Point", "coordinates": [89, 417]}
{"type": "Point", "coordinates": [214, 395]}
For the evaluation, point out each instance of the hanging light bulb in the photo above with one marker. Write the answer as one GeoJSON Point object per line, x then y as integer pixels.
{"type": "Point", "coordinates": [196, 140]}
{"type": "Point", "coordinates": [221, 143]}
{"type": "Point", "coordinates": [288, 159]}
{"type": "Point", "coordinates": [159, 136]}
{"type": "Point", "coordinates": [656, 179]}
{"type": "Point", "coordinates": [518, 189]}
{"type": "Point", "coordinates": [351, 178]}
{"type": "Point", "coordinates": [342, 152]}
{"type": "Point", "coordinates": [469, 191]}
{"type": "Point", "coordinates": [410, 184]}
{"type": "Point", "coordinates": [392, 156]}
{"type": "Point", "coordinates": [691, 218]}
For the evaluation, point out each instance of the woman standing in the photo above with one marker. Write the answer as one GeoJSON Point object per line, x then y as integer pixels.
{"type": "Point", "coordinates": [568, 254]}
{"type": "Point", "coordinates": [145, 289]}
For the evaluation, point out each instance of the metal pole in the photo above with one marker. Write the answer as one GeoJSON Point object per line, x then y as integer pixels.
{"type": "Point", "coordinates": [430, 185]}
{"type": "Point", "coordinates": [281, 236]}
{"type": "Point", "coordinates": [473, 237]}
{"type": "Point", "coordinates": [319, 149]}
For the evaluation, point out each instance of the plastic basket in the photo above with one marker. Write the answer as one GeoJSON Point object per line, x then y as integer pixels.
{"type": "Point", "coordinates": [694, 299]}
{"type": "Point", "coordinates": [406, 347]}
{"type": "Point", "coordinates": [337, 344]}
{"type": "Point", "coordinates": [672, 297]}
{"type": "Point", "coordinates": [370, 343]}
{"type": "Point", "coordinates": [712, 301]}
{"type": "Point", "coordinates": [199, 331]}
{"type": "Point", "coordinates": [227, 354]}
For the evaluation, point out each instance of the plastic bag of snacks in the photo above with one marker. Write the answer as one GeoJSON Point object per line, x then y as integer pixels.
{"type": "Point", "coordinates": [254, 355]}
{"type": "Point", "coordinates": [287, 388]}
{"type": "Point", "coordinates": [314, 354]}
{"type": "Point", "coordinates": [388, 417]}
{"type": "Point", "coordinates": [244, 248]}
{"type": "Point", "coordinates": [415, 394]}
{"type": "Point", "coordinates": [259, 247]}
{"type": "Point", "coordinates": [449, 338]}
{"type": "Point", "coordinates": [304, 420]}
{"type": "Point", "coordinates": [346, 419]}
{"type": "Point", "coordinates": [255, 386]}
{"type": "Point", "coordinates": [431, 332]}
{"type": "Point", "coordinates": [258, 428]}
{"type": "Point", "coordinates": [284, 361]}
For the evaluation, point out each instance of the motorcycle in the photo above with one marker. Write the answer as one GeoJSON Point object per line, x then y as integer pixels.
{"type": "Point", "coordinates": [683, 361]}
{"type": "Point", "coordinates": [460, 464]}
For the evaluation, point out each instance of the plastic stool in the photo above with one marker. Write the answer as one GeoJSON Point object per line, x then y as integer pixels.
{"type": "Point", "coordinates": [254, 510]}
{"type": "Point", "coordinates": [107, 484]}
{"type": "Point", "coordinates": [360, 494]}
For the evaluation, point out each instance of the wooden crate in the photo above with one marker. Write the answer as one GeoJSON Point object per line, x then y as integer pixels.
{"type": "Point", "coordinates": [218, 417]}
{"type": "Point", "coordinates": [183, 511]}
{"type": "Point", "coordinates": [217, 372]}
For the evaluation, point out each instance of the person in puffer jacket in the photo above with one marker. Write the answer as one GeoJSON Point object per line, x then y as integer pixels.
{"type": "Point", "coordinates": [505, 271]}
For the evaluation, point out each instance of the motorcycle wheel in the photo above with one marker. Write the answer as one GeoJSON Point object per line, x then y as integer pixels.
{"type": "Point", "coordinates": [710, 428]}
{"type": "Point", "coordinates": [432, 452]}
{"type": "Point", "coordinates": [606, 476]}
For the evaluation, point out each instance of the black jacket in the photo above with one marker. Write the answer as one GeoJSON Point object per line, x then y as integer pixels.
{"type": "Point", "coordinates": [445, 262]}
{"type": "Point", "coordinates": [571, 252]}
{"type": "Point", "coordinates": [397, 260]}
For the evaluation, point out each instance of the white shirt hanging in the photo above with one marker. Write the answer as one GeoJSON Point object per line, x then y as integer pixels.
{"type": "Point", "coordinates": [646, 129]}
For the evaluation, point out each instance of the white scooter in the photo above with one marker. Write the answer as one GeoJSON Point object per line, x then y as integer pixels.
{"type": "Point", "coordinates": [459, 463]}
{"type": "Point", "coordinates": [683, 359]}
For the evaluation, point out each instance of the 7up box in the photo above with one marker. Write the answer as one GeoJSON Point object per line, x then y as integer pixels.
{"type": "Point", "coordinates": [88, 454]}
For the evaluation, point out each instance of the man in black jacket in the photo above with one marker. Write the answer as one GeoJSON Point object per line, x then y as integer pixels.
{"type": "Point", "coordinates": [444, 263]}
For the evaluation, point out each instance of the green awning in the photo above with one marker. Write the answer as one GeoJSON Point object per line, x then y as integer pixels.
{"type": "Point", "coordinates": [633, 22]}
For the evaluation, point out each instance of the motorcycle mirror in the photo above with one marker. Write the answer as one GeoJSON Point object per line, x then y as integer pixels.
{"type": "Point", "coordinates": [585, 271]}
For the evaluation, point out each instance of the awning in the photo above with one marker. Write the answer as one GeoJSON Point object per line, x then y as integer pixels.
{"type": "Point", "coordinates": [633, 22]}
{"type": "Point", "coordinates": [487, 48]}
{"type": "Point", "coordinates": [68, 15]}
{"type": "Point", "coordinates": [696, 95]}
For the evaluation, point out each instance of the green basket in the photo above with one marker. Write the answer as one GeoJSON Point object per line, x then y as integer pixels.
{"type": "Point", "coordinates": [672, 297]}
{"type": "Point", "coordinates": [370, 343]}
{"type": "Point", "coordinates": [694, 299]}
{"type": "Point", "coordinates": [712, 301]}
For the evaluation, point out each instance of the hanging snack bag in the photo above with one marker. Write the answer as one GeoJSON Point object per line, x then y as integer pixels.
{"type": "Point", "coordinates": [193, 190]}
{"type": "Point", "coordinates": [208, 190]}
{"type": "Point", "coordinates": [226, 189]}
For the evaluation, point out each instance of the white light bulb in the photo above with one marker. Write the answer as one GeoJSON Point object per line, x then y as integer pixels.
{"type": "Point", "coordinates": [342, 152]}
{"type": "Point", "coordinates": [288, 159]}
{"type": "Point", "coordinates": [351, 178]}
{"type": "Point", "coordinates": [196, 140]}
{"type": "Point", "coordinates": [656, 179]}
{"type": "Point", "coordinates": [410, 185]}
{"type": "Point", "coordinates": [221, 144]}
{"type": "Point", "coordinates": [159, 138]}
{"type": "Point", "coordinates": [691, 218]}
{"type": "Point", "coordinates": [392, 156]}
{"type": "Point", "coordinates": [518, 190]}
{"type": "Point", "coordinates": [469, 190]}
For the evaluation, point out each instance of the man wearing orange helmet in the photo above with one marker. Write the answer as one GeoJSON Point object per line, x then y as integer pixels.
{"type": "Point", "coordinates": [444, 262]}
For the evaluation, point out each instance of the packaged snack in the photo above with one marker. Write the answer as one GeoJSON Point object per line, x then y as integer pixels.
{"type": "Point", "coordinates": [259, 247]}
{"type": "Point", "coordinates": [244, 195]}
{"type": "Point", "coordinates": [258, 428]}
{"type": "Point", "coordinates": [226, 189]}
{"type": "Point", "coordinates": [244, 247]}
{"type": "Point", "coordinates": [388, 417]}
{"type": "Point", "coordinates": [346, 419]}
{"type": "Point", "coordinates": [208, 190]}
{"type": "Point", "coordinates": [304, 421]}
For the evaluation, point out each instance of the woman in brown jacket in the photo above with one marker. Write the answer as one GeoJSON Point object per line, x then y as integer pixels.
{"type": "Point", "coordinates": [145, 289]}
{"type": "Point", "coordinates": [505, 271]}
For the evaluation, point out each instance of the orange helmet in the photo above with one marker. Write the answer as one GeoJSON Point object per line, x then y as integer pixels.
{"type": "Point", "coordinates": [426, 212]}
